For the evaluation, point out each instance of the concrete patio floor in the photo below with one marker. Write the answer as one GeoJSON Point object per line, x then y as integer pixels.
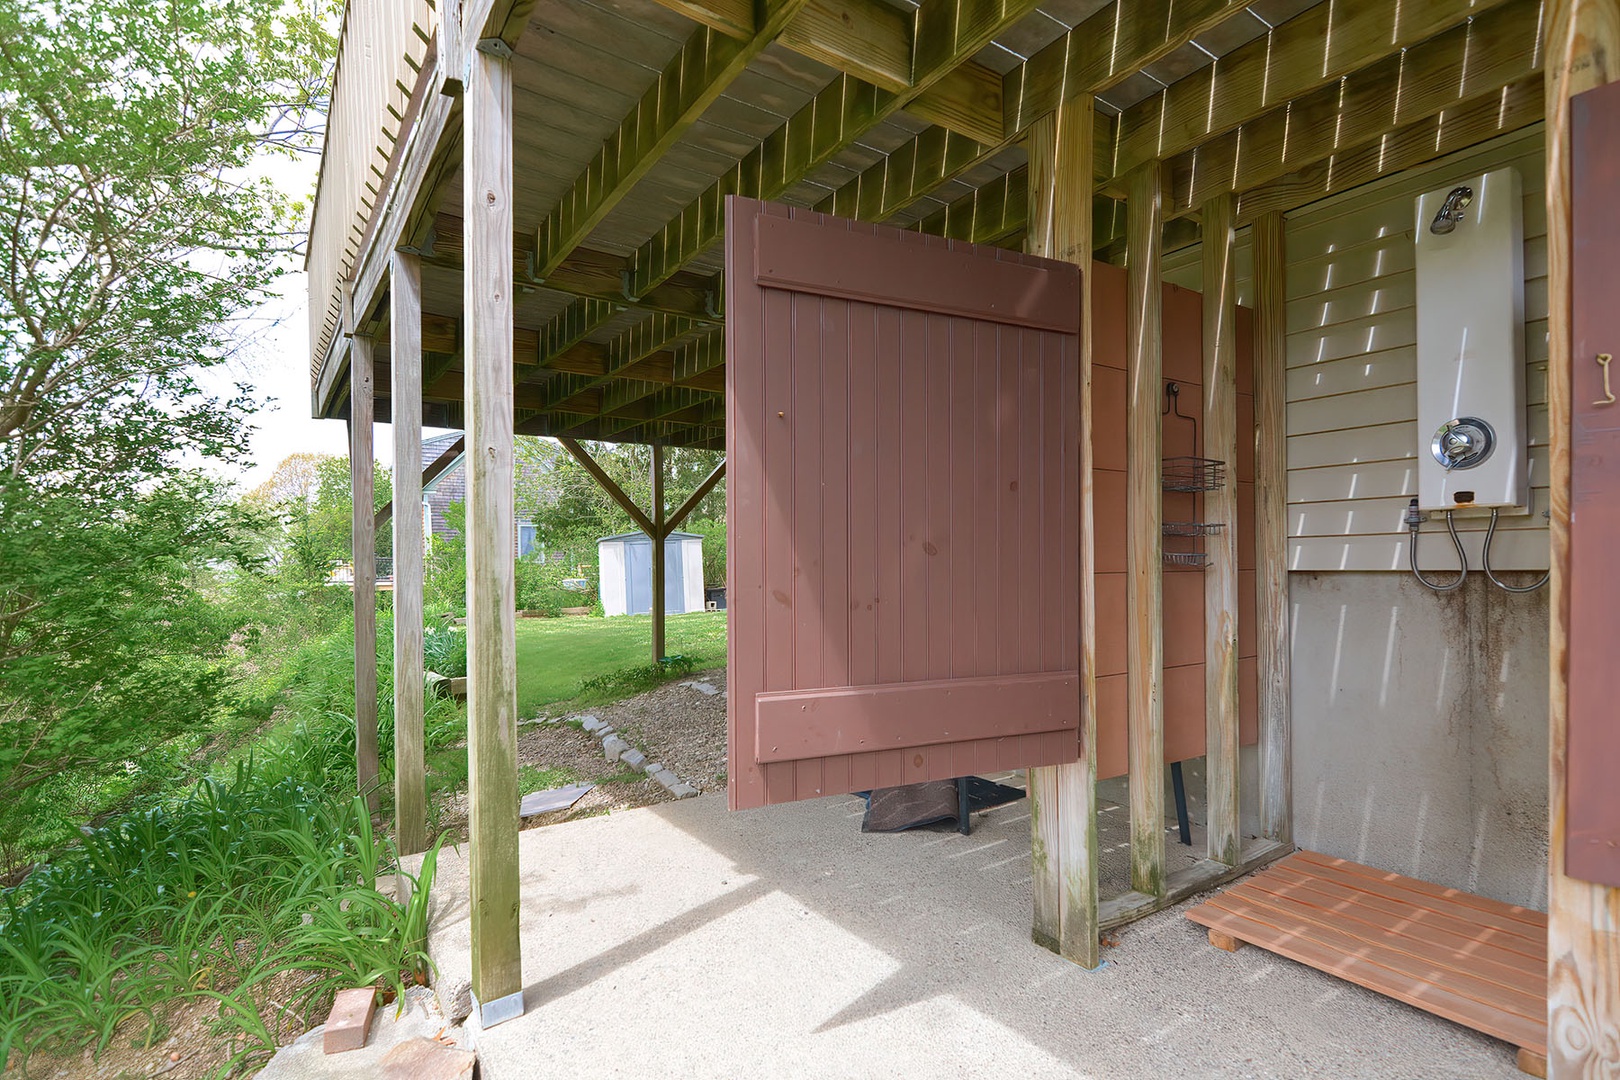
{"type": "Point", "coordinates": [683, 941]}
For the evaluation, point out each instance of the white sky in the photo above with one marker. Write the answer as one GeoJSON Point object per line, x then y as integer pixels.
{"type": "Point", "coordinates": [274, 358]}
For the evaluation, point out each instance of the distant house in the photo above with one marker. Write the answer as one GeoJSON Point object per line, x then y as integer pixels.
{"type": "Point", "coordinates": [450, 487]}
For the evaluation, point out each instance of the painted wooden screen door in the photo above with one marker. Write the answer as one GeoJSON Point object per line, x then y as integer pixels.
{"type": "Point", "coordinates": [903, 485]}
{"type": "Point", "coordinates": [1592, 844]}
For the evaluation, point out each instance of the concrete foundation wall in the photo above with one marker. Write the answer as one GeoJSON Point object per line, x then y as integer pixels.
{"type": "Point", "coordinates": [1420, 728]}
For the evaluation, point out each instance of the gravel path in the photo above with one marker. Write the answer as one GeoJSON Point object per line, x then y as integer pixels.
{"type": "Point", "coordinates": [679, 725]}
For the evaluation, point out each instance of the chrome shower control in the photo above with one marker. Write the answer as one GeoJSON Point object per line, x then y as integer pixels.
{"type": "Point", "coordinates": [1463, 443]}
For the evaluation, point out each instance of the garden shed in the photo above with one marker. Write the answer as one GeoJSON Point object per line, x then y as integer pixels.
{"type": "Point", "coordinates": [1097, 380]}
{"type": "Point", "coordinates": [625, 563]}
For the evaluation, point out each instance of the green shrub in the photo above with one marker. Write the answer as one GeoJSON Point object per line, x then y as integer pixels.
{"type": "Point", "coordinates": [540, 587]}
{"type": "Point", "coordinates": [444, 650]}
{"type": "Point", "coordinates": [208, 897]}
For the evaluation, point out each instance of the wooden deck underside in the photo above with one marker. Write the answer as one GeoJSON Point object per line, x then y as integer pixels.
{"type": "Point", "coordinates": [1478, 962]}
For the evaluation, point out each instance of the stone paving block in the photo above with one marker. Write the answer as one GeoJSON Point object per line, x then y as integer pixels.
{"type": "Point", "coordinates": [613, 747]}
{"type": "Point", "coordinates": [544, 802]}
{"type": "Point", "coordinates": [425, 1059]}
{"type": "Point", "coordinates": [349, 1022]}
{"type": "Point", "coordinates": [683, 790]}
{"type": "Point", "coordinates": [633, 758]}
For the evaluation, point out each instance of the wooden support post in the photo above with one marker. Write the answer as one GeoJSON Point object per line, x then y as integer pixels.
{"type": "Point", "coordinates": [491, 587]}
{"type": "Point", "coordinates": [363, 549]}
{"type": "Point", "coordinates": [405, 368]}
{"type": "Point", "coordinates": [1144, 643]}
{"type": "Point", "coordinates": [1223, 840]}
{"type": "Point", "coordinates": [1583, 933]}
{"type": "Point", "coordinates": [659, 534]}
{"type": "Point", "coordinates": [1271, 526]}
{"type": "Point", "coordinates": [1063, 799]}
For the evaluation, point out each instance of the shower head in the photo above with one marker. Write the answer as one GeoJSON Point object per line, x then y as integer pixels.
{"type": "Point", "coordinates": [1451, 211]}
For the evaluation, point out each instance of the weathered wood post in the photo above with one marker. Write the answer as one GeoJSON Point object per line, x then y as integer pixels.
{"type": "Point", "coordinates": [660, 533]}
{"type": "Point", "coordinates": [491, 586]}
{"type": "Point", "coordinates": [1144, 643]}
{"type": "Point", "coordinates": [405, 320]}
{"type": "Point", "coordinates": [1223, 841]}
{"type": "Point", "coordinates": [1063, 799]}
{"type": "Point", "coordinates": [1271, 525]}
{"type": "Point", "coordinates": [363, 550]}
{"type": "Point", "coordinates": [1583, 938]}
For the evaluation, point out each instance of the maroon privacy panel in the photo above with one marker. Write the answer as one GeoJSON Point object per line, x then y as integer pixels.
{"type": "Point", "coordinates": [1183, 686]}
{"type": "Point", "coordinates": [902, 437]}
{"type": "Point", "coordinates": [1592, 837]}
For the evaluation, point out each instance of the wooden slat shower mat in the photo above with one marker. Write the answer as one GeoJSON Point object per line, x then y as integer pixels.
{"type": "Point", "coordinates": [1474, 961]}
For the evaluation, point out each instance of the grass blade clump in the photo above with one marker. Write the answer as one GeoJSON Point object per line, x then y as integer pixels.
{"type": "Point", "coordinates": [265, 874]}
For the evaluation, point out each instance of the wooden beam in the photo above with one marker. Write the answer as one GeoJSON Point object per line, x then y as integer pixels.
{"type": "Point", "coordinates": [1271, 525]}
{"type": "Point", "coordinates": [572, 325]}
{"type": "Point", "coordinates": [589, 274]}
{"type": "Point", "coordinates": [695, 77]}
{"type": "Point", "coordinates": [1113, 43]}
{"type": "Point", "coordinates": [1063, 798]}
{"type": "Point", "coordinates": [946, 33]}
{"type": "Point", "coordinates": [966, 100]}
{"type": "Point", "coordinates": [734, 18]}
{"type": "Point", "coordinates": [690, 503]}
{"type": "Point", "coordinates": [1317, 47]}
{"type": "Point", "coordinates": [405, 394]}
{"type": "Point", "coordinates": [1583, 933]}
{"type": "Point", "coordinates": [497, 982]}
{"type": "Point", "coordinates": [659, 536]}
{"type": "Point", "coordinates": [896, 180]}
{"type": "Point", "coordinates": [1446, 73]}
{"type": "Point", "coordinates": [429, 474]}
{"type": "Point", "coordinates": [864, 38]}
{"type": "Point", "coordinates": [1223, 837]}
{"type": "Point", "coordinates": [609, 485]}
{"type": "Point", "coordinates": [363, 549]}
{"type": "Point", "coordinates": [647, 338]}
{"type": "Point", "coordinates": [1144, 644]}
{"type": "Point", "coordinates": [1424, 140]}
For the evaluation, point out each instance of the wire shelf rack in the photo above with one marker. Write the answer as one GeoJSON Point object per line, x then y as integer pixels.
{"type": "Point", "coordinates": [1193, 474]}
{"type": "Point", "coordinates": [1186, 558]}
{"type": "Point", "coordinates": [1191, 528]}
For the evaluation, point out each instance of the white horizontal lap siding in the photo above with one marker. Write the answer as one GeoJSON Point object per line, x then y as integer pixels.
{"type": "Point", "coordinates": [1352, 363]}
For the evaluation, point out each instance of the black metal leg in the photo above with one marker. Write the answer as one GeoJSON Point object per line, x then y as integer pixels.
{"type": "Point", "coordinates": [1180, 787]}
{"type": "Point", "coordinates": [963, 824]}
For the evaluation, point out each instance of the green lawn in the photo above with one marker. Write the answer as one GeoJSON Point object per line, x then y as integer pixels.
{"type": "Point", "coordinates": [555, 655]}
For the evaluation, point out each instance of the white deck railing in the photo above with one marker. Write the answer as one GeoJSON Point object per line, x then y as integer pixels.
{"type": "Point", "coordinates": [381, 47]}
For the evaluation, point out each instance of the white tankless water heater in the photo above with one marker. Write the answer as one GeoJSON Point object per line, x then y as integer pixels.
{"type": "Point", "coordinates": [1470, 345]}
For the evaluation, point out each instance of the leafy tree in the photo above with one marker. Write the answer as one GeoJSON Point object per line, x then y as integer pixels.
{"type": "Point", "coordinates": [571, 510]}
{"type": "Point", "coordinates": [134, 235]}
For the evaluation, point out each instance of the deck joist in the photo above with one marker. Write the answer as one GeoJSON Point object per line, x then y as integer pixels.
{"type": "Point", "coordinates": [1478, 962]}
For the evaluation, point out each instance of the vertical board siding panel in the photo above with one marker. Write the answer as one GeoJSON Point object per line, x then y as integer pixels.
{"type": "Point", "coordinates": [986, 469]}
{"type": "Point", "coordinates": [965, 552]}
{"type": "Point", "coordinates": [745, 408]}
{"type": "Point", "coordinates": [912, 483]}
{"type": "Point", "coordinates": [890, 628]}
{"type": "Point", "coordinates": [806, 421]}
{"type": "Point", "coordinates": [1008, 540]}
{"type": "Point", "coordinates": [1030, 502]}
{"type": "Point", "coordinates": [863, 503]}
{"type": "Point", "coordinates": [938, 541]}
{"type": "Point", "coordinates": [834, 492]}
{"type": "Point", "coordinates": [780, 423]}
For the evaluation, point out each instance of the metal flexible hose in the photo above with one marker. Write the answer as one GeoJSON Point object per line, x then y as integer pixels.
{"type": "Point", "coordinates": [1462, 556]}
{"type": "Point", "coordinates": [1490, 532]}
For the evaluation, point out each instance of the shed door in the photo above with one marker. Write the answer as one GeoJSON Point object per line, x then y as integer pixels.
{"type": "Point", "coordinates": [903, 476]}
{"type": "Point", "coordinates": [638, 578]}
{"type": "Point", "coordinates": [1592, 847]}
